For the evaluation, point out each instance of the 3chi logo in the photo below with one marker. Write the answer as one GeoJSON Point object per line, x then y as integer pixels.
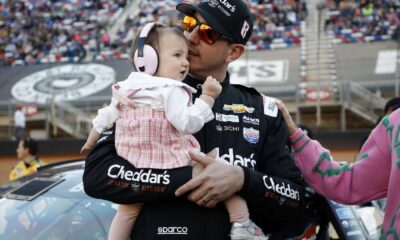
{"type": "Point", "coordinates": [65, 83]}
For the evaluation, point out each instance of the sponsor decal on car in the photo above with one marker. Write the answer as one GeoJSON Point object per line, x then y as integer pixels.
{"type": "Point", "coordinates": [238, 108]}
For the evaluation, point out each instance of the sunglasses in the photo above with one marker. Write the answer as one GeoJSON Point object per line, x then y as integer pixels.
{"type": "Point", "coordinates": [206, 33]}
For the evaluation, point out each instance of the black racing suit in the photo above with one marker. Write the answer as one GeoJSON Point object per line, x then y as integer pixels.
{"type": "Point", "coordinates": [249, 132]}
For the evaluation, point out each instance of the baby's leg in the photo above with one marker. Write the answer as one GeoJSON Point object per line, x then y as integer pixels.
{"type": "Point", "coordinates": [242, 226]}
{"type": "Point", "coordinates": [237, 209]}
{"type": "Point", "coordinates": [122, 224]}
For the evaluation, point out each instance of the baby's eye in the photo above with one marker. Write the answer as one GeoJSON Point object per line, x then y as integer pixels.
{"type": "Point", "coordinates": [178, 54]}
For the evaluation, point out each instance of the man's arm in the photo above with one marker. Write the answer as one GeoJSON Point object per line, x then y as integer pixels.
{"type": "Point", "coordinates": [277, 187]}
{"type": "Point", "coordinates": [110, 177]}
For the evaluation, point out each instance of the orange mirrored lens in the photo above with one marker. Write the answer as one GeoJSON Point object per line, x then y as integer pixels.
{"type": "Point", "coordinates": [189, 23]}
{"type": "Point", "coordinates": [208, 34]}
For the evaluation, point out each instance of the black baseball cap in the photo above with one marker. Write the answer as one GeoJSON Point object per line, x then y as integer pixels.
{"type": "Point", "coordinates": [231, 18]}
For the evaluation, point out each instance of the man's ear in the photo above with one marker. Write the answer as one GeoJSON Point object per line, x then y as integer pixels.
{"type": "Point", "coordinates": [236, 50]}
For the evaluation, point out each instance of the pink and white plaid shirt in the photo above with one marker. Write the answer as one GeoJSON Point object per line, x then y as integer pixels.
{"type": "Point", "coordinates": [146, 138]}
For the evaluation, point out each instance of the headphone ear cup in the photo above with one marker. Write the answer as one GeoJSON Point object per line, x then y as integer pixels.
{"type": "Point", "coordinates": [149, 62]}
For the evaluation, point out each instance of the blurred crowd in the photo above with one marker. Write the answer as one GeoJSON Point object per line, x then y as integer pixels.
{"type": "Point", "coordinates": [277, 23]}
{"type": "Point", "coordinates": [41, 31]}
{"type": "Point", "coordinates": [363, 20]}
{"type": "Point", "coordinates": [35, 31]}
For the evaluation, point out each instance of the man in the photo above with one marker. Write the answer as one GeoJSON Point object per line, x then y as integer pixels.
{"type": "Point", "coordinates": [248, 132]}
{"type": "Point", "coordinates": [19, 119]}
{"type": "Point", "coordinates": [29, 162]}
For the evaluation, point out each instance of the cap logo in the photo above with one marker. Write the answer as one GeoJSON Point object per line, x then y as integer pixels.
{"type": "Point", "coordinates": [228, 5]}
{"type": "Point", "coordinates": [245, 29]}
{"type": "Point", "coordinates": [225, 3]}
{"type": "Point", "coordinates": [213, 3]}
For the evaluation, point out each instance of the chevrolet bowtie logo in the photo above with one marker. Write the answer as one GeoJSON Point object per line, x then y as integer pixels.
{"type": "Point", "coordinates": [238, 108]}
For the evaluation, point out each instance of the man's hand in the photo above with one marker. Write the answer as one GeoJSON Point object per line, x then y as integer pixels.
{"type": "Point", "coordinates": [217, 182]}
{"type": "Point", "coordinates": [198, 167]}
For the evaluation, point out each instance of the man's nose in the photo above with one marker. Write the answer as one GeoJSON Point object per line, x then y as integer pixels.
{"type": "Point", "coordinates": [193, 36]}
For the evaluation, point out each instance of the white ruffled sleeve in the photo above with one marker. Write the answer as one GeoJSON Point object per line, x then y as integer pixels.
{"type": "Point", "coordinates": [186, 118]}
{"type": "Point", "coordinates": [106, 117]}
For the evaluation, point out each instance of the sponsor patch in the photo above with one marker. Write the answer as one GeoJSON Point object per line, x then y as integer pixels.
{"type": "Point", "coordinates": [172, 230]}
{"type": "Point", "coordinates": [226, 118]}
{"type": "Point", "coordinates": [282, 189]}
{"type": "Point", "coordinates": [270, 108]}
{"type": "Point", "coordinates": [254, 121]}
{"type": "Point", "coordinates": [238, 108]}
{"type": "Point", "coordinates": [236, 159]}
{"type": "Point", "coordinates": [251, 135]}
{"type": "Point", "coordinates": [221, 128]}
{"type": "Point", "coordinates": [143, 176]}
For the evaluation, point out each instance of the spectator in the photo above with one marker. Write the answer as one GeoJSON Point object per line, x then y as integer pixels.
{"type": "Point", "coordinates": [373, 176]}
{"type": "Point", "coordinates": [363, 20]}
{"type": "Point", "coordinates": [29, 162]}
{"type": "Point", "coordinates": [19, 119]}
{"type": "Point", "coordinates": [392, 105]}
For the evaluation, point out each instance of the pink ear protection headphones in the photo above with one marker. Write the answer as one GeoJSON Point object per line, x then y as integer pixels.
{"type": "Point", "coordinates": [146, 57]}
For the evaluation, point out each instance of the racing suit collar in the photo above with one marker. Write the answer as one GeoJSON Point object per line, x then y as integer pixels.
{"type": "Point", "coordinates": [197, 83]}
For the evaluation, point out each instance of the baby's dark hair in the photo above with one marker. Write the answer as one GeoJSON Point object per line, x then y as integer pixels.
{"type": "Point", "coordinates": [153, 39]}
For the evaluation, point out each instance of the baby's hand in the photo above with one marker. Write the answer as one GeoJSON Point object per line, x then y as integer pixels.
{"type": "Point", "coordinates": [211, 87]}
{"type": "Point", "coordinates": [86, 148]}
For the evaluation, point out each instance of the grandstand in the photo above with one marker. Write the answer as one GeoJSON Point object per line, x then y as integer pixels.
{"type": "Point", "coordinates": [59, 58]}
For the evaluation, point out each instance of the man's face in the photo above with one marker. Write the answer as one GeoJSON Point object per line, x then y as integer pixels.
{"type": "Point", "coordinates": [21, 151]}
{"type": "Point", "coordinates": [206, 59]}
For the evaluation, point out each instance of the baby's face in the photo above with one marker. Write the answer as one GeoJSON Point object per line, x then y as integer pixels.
{"type": "Point", "coordinates": [173, 62]}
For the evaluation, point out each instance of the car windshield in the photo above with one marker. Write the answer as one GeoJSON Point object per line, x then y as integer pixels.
{"type": "Point", "coordinates": [63, 212]}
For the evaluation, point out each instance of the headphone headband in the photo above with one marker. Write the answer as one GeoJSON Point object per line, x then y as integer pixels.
{"type": "Point", "coordinates": [145, 56]}
{"type": "Point", "coordinates": [144, 34]}
{"type": "Point", "coordinates": [146, 29]}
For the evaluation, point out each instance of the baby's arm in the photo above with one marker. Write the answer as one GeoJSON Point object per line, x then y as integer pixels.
{"type": "Point", "coordinates": [91, 141]}
{"type": "Point", "coordinates": [104, 120]}
{"type": "Point", "coordinates": [190, 118]}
